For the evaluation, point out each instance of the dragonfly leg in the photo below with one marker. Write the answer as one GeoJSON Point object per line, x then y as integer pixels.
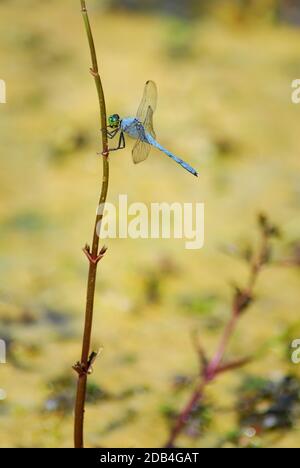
{"type": "Point", "coordinates": [121, 144]}
{"type": "Point", "coordinates": [112, 134]}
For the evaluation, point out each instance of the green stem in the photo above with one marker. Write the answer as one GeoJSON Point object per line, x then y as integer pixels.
{"type": "Point", "coordinates": [94, 253]}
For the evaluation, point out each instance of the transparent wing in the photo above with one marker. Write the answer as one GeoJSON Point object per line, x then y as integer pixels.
{"type": "Point", "coordinates": [140, 151]}
{"type": "Point", "coordinates": [149, 100]}
{"type": "Point", "coordinates": [144, 115]}
{"type": "Point", "coordinates": [142, 148]}
{"type": "Point", "coordinates": [148, 122]}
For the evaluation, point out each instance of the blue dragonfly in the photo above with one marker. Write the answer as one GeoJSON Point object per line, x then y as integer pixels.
{"type": "Point", "coordinates": [141, 129]}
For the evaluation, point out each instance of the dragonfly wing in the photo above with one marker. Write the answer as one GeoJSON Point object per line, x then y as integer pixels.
{"type": "Point", "coordinates": [149, 100]}
{"type": "Point", "coordinates": [144, 115]}
{"type": "Point", "coordinates": [142, 148]}
{"type": "Point", "coordinates": [140, 151]}
{"type": "Point", "coordinates": [148, 122]}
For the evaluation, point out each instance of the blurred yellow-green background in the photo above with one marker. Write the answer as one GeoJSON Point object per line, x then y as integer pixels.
{"type": "Point", "coordinates": [224, 71]}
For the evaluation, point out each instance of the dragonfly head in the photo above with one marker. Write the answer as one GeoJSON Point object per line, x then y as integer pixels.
{"type": "Point", "coordinates": [114, 121]}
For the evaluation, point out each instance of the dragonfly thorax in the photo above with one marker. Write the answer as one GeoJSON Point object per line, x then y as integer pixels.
{"type": "Point", "coordinates": [133, 127]}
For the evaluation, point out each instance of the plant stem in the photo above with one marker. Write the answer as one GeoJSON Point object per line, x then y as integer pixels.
{"type": "Point", "coordinates": [209, 374]}
{"type": "Point", "coordinates": [83, 367]}
{"type": "Point", "coordinates": [213, 368]}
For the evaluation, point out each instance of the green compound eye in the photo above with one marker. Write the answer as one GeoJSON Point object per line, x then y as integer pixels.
{"type": "Point", "coordinates": [114, 120]}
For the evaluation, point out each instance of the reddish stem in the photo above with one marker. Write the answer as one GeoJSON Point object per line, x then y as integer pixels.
{"type": "Point", "coordinates": [213, 368]}
{"type": "Point", "coordinates": [94, 255]}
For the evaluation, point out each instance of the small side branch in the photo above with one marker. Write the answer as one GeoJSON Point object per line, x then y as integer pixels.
{"type": "Point", "coordinates": [94, 260]}
{"type": "Point", "coordinates": [83, 369]}
{"type": "Point", "coordinates": [242, 299]}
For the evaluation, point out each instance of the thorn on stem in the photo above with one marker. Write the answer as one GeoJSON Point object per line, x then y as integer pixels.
{"type": "Point", "coordinates": [269, 229]}
{"type": "Point", "coordinates": [94, 73]}
{"type": "Point", "coordinates": [241, 301]}
{"type": "Point", "coordinates": [94, 259]}
{"type": "Point", "coordinates": [80, 368]}
{"type": "Point", "coordinates": [83, 369]}
{"type": "Point", "coordinates": [105, 153]}
{"type": "Point", "coordinates": [200, 351]}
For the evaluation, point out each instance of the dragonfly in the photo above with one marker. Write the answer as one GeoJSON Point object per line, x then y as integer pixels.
{"type": "Point", "coordinates": [141, 129]}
